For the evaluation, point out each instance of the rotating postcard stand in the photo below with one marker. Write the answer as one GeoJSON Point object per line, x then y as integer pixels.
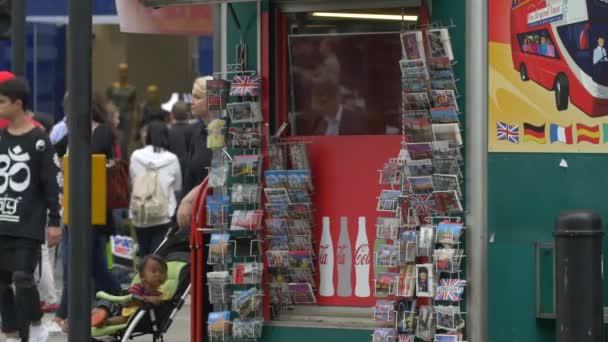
{"type": "Point", "coordinates": [430, 282]}
{"type": "Point", "coordinates": [234, 216]}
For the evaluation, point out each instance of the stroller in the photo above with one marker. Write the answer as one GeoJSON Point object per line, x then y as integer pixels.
{"type": "Point", "coordinates": [154, 320]}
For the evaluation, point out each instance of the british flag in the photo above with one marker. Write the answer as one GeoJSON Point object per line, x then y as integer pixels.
{"type": "Point", "coordinates": [507, 132]}
{"type": "Point", "coordinates": [423, 204]}
{"type": "Point", "coordinates": [246, 85]}
{"type": "Point", "coordinates": [450, 290]}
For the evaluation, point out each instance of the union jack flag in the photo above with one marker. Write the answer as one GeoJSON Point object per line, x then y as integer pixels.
{"type": "Point", "coordinates": [450, 290]}
{"type": "Point", "coordinates": [423, 204]}
{"type": "Point", "coordinates": [507, 132]}
{"type": "Point", "coordinates": [246, 85]}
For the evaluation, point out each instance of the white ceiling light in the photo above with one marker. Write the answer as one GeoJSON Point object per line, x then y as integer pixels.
{"type": "Point", "coordinates": [365, 16]}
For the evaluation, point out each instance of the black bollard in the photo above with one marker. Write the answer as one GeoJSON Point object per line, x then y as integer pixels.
{"type": "Point", "coordinates": [579, 279]}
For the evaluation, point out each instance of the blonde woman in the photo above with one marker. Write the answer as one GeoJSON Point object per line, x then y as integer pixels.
{"type": "Point", "coordinates": [199, 156]}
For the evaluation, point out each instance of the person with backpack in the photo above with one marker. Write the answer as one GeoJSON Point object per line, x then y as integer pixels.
{"type": "Point", "coordinates": [156, 176]}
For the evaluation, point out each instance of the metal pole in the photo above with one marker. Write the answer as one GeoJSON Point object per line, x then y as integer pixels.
{"type": "Point", "coordinates": [18, 10]}
{"type": "Point", "coordinates": [80, 42]}
{"type": "Point", "coordinates": [477, 167]}
{"type": "Point", "coordinates": [217, 37]}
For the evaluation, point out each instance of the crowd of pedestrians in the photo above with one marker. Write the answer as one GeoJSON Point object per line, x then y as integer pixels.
{"type": "Point", "coordinates": [164, 173]}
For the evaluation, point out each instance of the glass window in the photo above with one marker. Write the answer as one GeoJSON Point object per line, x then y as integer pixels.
{"type": "Point", "coordinates": [538, 43]}
{"type": "Point", "coordinates": [342, 75]}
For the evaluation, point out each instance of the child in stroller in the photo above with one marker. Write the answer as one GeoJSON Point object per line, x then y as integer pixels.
{"type": "Point", "coordinates": [152, 273]}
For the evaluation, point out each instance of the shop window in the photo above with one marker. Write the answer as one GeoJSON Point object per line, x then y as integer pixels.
{"type": "Point", "coordinates": [337, 76]}
{"type": "Point", "coordinates": [342, 75]}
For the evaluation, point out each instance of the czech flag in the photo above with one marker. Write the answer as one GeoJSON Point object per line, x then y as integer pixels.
{"type": "Point", "coordinates": [590, 134]}
{"type": "Point", "coordinates": [561, 134]}
{"type": "Point", "coordinates": [534, 133]}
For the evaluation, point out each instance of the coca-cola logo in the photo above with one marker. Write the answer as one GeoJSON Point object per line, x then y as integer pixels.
{"type": "Point", "coordinates": [342, 250]}
{"type": "Point", "coordinates": [323, 254]}
{"type": "Point", "coordinates": [362, 255]}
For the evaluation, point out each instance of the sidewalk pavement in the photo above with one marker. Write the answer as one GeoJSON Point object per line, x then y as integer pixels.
{"type": "Point", "coordinates": [179, 331]}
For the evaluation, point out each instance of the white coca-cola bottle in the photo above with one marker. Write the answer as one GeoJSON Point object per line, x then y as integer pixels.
{"type": "Point", "coordinates": [326, 261]}
{"type": "Point", "coordinates": [362, 259]}
{"type": "Point", "coordinates": [344, 256]}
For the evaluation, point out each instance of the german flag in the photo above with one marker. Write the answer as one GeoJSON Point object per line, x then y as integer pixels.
{"type": "Point", "coordinates": [590, 134]}
{"type": "Point", "coordinates": [534, 133]}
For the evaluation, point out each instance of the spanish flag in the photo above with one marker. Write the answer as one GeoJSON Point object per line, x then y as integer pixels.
{"type": "Point", "coordinates": [534, 133]}
{"type": "Point", "coordinates": [590, 134]}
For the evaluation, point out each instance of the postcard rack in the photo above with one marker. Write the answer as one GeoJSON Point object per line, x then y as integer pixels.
{"type": "Point", "coordinates": [289, 248]}
{"type": "Point", "coordinates": [234, 210]}
{"type": "Point", "coordinates": [419, 279]}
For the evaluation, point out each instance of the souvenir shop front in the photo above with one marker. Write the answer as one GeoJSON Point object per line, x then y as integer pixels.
{"type": "Point", "coordinates": [335, 202]}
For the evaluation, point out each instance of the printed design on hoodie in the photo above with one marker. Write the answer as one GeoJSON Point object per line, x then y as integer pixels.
{"type": "Point", "coordinates": [14, 174]}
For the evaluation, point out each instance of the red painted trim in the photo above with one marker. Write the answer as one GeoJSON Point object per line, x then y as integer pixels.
{"type": "Point", "coordinates": [266, 88]}
{"type": "Point", "coordinates": [197, 264]}
{"type": "Point", "coordinates": [281, 58]}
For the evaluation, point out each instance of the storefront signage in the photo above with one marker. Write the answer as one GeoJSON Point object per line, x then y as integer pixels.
{"type": "Point", "coordinates": [552, 12]}
{"type": "Point", "coordinates": [548, 76]}
{"type": "Point", "coordinates": [186, 20]}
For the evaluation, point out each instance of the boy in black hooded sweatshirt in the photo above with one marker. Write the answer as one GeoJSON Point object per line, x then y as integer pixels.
{"type": "Point", "coordinates": [29, 191]}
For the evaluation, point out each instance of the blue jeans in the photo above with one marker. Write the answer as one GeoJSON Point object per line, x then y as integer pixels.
{"type": "Point", "coordinates": [103, 279]}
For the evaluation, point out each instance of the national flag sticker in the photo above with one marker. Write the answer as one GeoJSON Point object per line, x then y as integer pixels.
{"type": "Point", "coordinates": [534, 133]}
{"type": "Point", "coordinates": [590, 134]}
{"type": "Point", "coordinates": [559, 134]}
{"type": "Point", "coordinates": [507, 132]}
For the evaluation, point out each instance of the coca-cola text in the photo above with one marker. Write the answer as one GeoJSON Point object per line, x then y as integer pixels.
{"type": "Point", "coordinates": [323, 254]}
{"type": "Point", "coordinates": [362, 255]}
{"type": "Point", "coordinates": [342, 250]}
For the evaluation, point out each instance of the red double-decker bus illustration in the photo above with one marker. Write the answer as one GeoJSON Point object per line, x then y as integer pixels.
{"type": "Point", "coordinates": [562, 45]}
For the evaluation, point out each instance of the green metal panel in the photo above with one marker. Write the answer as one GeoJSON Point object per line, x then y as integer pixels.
{"type": "Point", "coordinates": [247, 15]}
{"type": "Point", "coordinates": [526, 193]}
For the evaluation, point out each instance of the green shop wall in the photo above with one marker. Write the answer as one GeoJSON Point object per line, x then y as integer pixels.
{"type": "Point", "coordinates": [526, 193]}
{"type": "Point", "coordinates": [444, 12]}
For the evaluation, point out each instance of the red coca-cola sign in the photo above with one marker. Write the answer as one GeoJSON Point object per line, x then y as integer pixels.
{"type": "Point", "coordinates": [362, 255]}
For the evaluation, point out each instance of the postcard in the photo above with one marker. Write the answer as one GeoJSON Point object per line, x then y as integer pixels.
{"type": "Point", "coordinates": [440, 43]}
{"type": "Point", "coordinates": [276, 179]}
{"type": "Point", "coordinates": [390, 175]}
{"type": "Point", "coordinates": [444, 115]}
{"type": "Point", "coordinates": [421, 185]}
{"type": "Point", "coordinates": [444, 98]}
{"type": "Point", "coordinates": [446, 183]}
{"type": "Point", "coordinates": [448, 202]}
{"type": "Point", "coordinates": [301, 293]}
{"type": "Point", "coordinates": [447, 166]}
{"type": "Point", "coordinates": [418, 151]}
{"type": "Point", "coordinates": [448, 233]}
{"type": "Point", "coordinates": [246, 165]}
{"type": "Point", "coordinates": [417, 168]}
{"type": "Point", "coordinates": [387, 228]}
{"type": "Point", "coordinates": [424, 280]}
{"type": "Point", "coordinates": [244, 112]}
{"type": "Point", "coordinates": [450, 132]}
{"type": "Point", "coordinates": [412, 45]}
{"type": "Point", "coordinates": [276, 226]}
{"type": "Point", "coordinates": [388, 200]}
{"type": "Point", "coordinates": [245, 194]}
